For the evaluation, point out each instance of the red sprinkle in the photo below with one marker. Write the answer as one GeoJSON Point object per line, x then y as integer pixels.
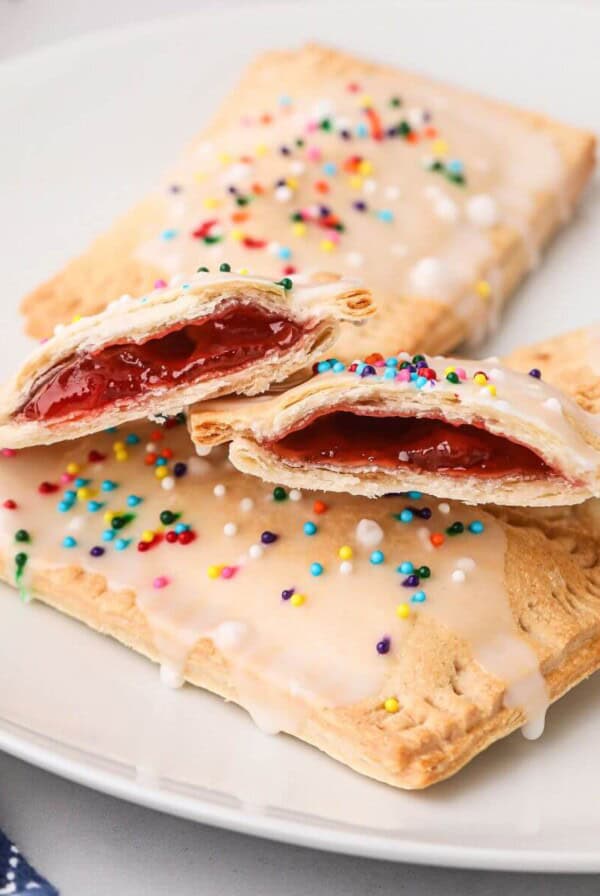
{"type": "Point", "coordinates": [47, 488]}
{"type": "Point", "coordinates": [186, 537]}
{"type": "Point", "coordinates": [10, 504]}
{"type": "Point", "coordinates": [320, 507]}
{"type": "Point", "coordinates": [96, 457]}
{"type": "Point", "coordinates": [171, 536]}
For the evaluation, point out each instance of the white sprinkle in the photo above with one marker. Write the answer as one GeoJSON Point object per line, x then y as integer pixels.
{"type": "Point", "coordinates": [177, 280]}
{"type": "Point", "coordinates": [58, 329]}
{"type": "Point", "coordinates": [416, 117]}
{"type": "Point", "coordinates": [404, 456]}
{"type": "Point", "coordinates": [76, 524]}
{"type": "Point", "coordinates": [230, 529]}
{"type": "Point", "coordinates": [443, 507]}
{"type": "Point", "coordinates": [246, 504]}
{"type": "Point", "coordinates": [283, 194]}
{"type": "Point", "coordinates": [369, 533]}
{"type": "Point", "coordinates": [355, 259]}
{"type": "Point", "coordinates": [170, 676]}
{"type": "Point", "coordinates": [429, 275]}
{"type": "Point", "coordinates": [150, 447]}
{"type": "Point", "coordinates": [482, 210]}
{"type": "Point", "coordinates": [467, 564]}
{"type": "Point", "coordinates": [255, 551]}
{"type": "Point", "coordinates": [458, 576]}
{"type": "Point", "coordinates": [553, 404]}
{"type": "Point", "coordinates": [168, 483]}
{"type": "Point", "coordinates": [219, 490]}
{"type": "Point", "coordinates": [446, 209]}
{"type": "Point", "coordinates": [229, 635]}
{"type": "Point", "coordinates": [295, 495]}
{"type": "Point", "coordinates": [203, 450]}
{"type": "Point", "coordinates": [297, 168]}
{"type": "Point", "coordinates": [346, 567]}
{"type": "Point", "coordinates": [497, 374]}
{"type": "Point", "coordinates": [392, 193]}
{"type": "Point", "coordinates": [369, 186]}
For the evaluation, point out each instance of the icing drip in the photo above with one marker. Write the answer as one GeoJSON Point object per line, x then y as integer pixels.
{"type": "Point", "coordinates": [257, 572]}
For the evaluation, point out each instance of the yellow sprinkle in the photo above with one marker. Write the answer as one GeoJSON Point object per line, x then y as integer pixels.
{"type": "Point", "coordinates": [225, 158]}
{"type": "Point", "coordinates": [84, 492]}
{"type": "Point", "coordinates": [403, 611]}
{"type": "Point", "coordinates": [299, 228]}
{"type": "Point", "coordinates": [345, 552]}
{"type": "Point", "coordinates": [161, 472]}
{"type": "Point", "coordinates": [449, 370]}
{"type": "Point", "coordinates": [109, 515]}
{"type": "Point", "coordinates": [243, 271]}
{"type": "Point", "coordinates": [236, 234]}
{"type": "Point", "coordinates": [483, 289]}
{"type": "Point", "coordinates": [75, 318]}
{"type": "Point", "coordinates": [211, 202]}
{"type": "Point", "coordinates": [355, 181]}
{"type": "Point", "coordinates": [365, 167]}
{"type": "Point", "coordinates": [118, 446]}
{"type": "Point", "coordinates": [491, 389]}
{"type": "Point", "coordinates": [199, 176]}
{"type": "Point", "coordinates": [72, 468]}
{"type": "Point", "coordinates": [214, 571]}
{"type": "Point", "coordinates": [147, 535]}
{"type": "Point", "coordinates": [297, 600]}
{"type": "Point", "coordinates": [261, 150]}
{"type": "Point", "coordinates": [292, 183]}
{"type": "Point", "coordinates": [327, 245]}
{"type": "Point", "coordinates": [480, 379]}
{"type": "Point", "coordinates": [439, 148]}
{"type": "Point", "coordinates": [391, 705]}
{"type": "Point", "coordinates": [121, 455]}
{"type": "Point", "coordinates": [366, 100]}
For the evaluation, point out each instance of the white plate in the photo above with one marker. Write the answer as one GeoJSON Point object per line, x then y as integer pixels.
{"type": "Point", "coordinates": [92, 123]}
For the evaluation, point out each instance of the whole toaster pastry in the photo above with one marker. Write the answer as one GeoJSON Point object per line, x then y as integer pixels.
{"type": "Point", "coordinates": [402, 636]}
{"type": "Point", "coordinates": [440, 200]}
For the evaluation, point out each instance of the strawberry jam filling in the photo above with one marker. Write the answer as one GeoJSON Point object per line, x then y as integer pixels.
{"type": "Point", "coordinates": [184, 355]}
{"type": "Point", "coordinates": [343, 439]}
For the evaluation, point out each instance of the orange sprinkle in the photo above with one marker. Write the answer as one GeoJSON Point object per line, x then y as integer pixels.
{"type": "Point", "coordinates": [373, 358]}
{"type": "Point", "coordinates": [150, 459]}
{"type": "Point", "coordinates": [430, 132]}
{"type": "Point", "coordinates": [166, 452]}
{"type": "Point", "coordinates": [437, 539]}
{"type": "Point", "coordinates": [257, 189]}
{"type": "Point", "coordinates": [413, 137]}
{"type": "Point", "coordinates": [266, 119]}
{"type": "Point", "coordinates": [239, 217]}
{"type": "Point", "coordinates": [156, 435]}
{"type": "Point", "coordinates": [322, 186]}
{"type": "Point", "coordinates": [320, 507]}
{"type": "Point", "coordinates": [375, 123]}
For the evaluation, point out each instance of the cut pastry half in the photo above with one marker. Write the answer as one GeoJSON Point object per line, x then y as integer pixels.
{"type": "Point", "coordinates": [470, 430]}
{"type": "Point", "coordinates": [214, 335]}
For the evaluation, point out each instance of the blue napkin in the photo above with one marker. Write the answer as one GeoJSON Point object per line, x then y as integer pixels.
{"type": "Point", "coordinates": [17, 877]}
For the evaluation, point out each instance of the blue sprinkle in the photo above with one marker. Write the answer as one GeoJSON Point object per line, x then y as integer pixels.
{"type": "Point", "coordinates": [330, 168]}
{"type": "Point", "coordinates": [362, 130]}
{"type": "Point", "coordinates": [476, 527]}
{"type": "Point", "coordinates": [389, 374]}
{"type": "Point", "coordinates": [360, 367]}
{"type": "Point", "coordinates": [413, 376]}
{"type": "Point", "coordinates": [377, 557]}
{"type": "Point", "coordinates": [64, 506]}
{"type": "Point", "coordinates": [316, 569]}
{"type": "Point", "coordinates": [70, 495]}
{"type": "Point", "coordinates": [391, 362]}
{"type": "Point", "coordinates": [69, 542]}
{"type": "Point", "coordinates": [122, 543]}
{"type": "Point", "coordinates": [420, 382]}
{"type": "Point", "coordinates": [108, 485]}
{"type": "Point", "coordinates": [181, 527]}
{"type": "Point", "coordinates": [160, 462]}
{"type": "Point", "coordinates": [285, 100]}
{"type": "Point", "coordinates": [185, 286]}
{"type": "Point", "coordinates": [323, 366]}
{"type": "Point", "coordinates": [132, 439]}
{"type": "Point", "coordinates": [108, 535]}
{"type": "Point", "coordinates": [309, 528]}
{"type": "Point", "coordinates": [81, 483]}
{"type": "Point", "coordinates": [415, 496]}
{"type": "Point", "coordinates": [385, 214]}
{"type": "Point", "coordinates": [418, 597]}
{"type": "Point", "coordinates": [406, 567]}
{"type": "Point", "coordinates": [169, 234]}
{"type": "Point", "coordinates": [94, 506]}
{"type": "Point", "coordinates": [406, 515]}
{"type": "Point", "coordinates": [284, 252]}
{"type": "Point", "coordinates": [133, 500]}
{"type": "Point", "coordinates": [455, 166]}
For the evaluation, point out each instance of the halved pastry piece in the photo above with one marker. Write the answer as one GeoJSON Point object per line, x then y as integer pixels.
{"type": "Point", "coordinates": [216, 334]}
{"type": "Point", "coordinates": [469, 430]}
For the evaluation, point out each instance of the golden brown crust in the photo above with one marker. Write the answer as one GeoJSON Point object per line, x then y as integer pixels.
{"type": "Point", "coordinates": [109, 268]}
{"type": "Point", "coordinates": [450, 708]}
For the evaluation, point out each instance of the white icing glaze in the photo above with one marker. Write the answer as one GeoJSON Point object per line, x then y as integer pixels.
{"type": "Point", "coordinates": [282, 657]}
{"type": "Point", "coordinates": [504, 160]}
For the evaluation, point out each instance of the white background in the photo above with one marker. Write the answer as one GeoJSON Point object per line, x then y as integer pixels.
{"type": "Point", "coordinates": [89, 844]}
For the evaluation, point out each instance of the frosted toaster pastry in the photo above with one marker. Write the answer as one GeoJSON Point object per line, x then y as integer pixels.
{"type": "Point", "coordinates": [472, 430]}
{"type": "Point", "coordinates": [212, 335]}
{"type": "Point", "coordinates": [440, 200]}
{"type": "Point", "coordinates": [401, 636]}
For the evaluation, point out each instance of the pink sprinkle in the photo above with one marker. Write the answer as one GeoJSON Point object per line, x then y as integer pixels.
{"type": "Point", "coordinates": [403, 375]}
{"type": "Point", "coordinates": [461, 373]}
{"type": "Point", "coordinates": [311, 126]}
{"type": "Point", "coordinates": [9, 452]}
{"type": "Point", "coordinates": [228, 572]}
{"type": "Point", "coordinates": [66, 477]}
{"type": "Point", "coordinates": [313, 154]}
{"type": "Point", "coordinates": [160, 284]}
{"type": "Point", "coordinates": [379, 363]}
{"type": "Point", "coordinates": [161, 581]}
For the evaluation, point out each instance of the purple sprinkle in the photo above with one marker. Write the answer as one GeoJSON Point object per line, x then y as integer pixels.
{"type": "Point", "coordinates": [535, 373]}
{"type": "Point", "coordinates": [383, 646]}
{"type": "Point", "coordinates": [268, 537]}
{"type": "Point", "coordinates": [287, 593]}
{"type": "Point", "coordinates": [175, 188]}
{"type": "Point", "coordinates": [324, 211]}
{"type": "Point", "coordinates": [368, 370]}
{"type": "Point", "coordinates": [345, 135]}
{"type": "Point", "coordinates": [284, 150]}
{"type": "Point", "coordinates": [425, 513]}
{"type": "Point", "coordinates": [421, 364]}
{"type": "Point", "coordinates": [360, 206]}
{"type": "Point", "coordinates": [97, 551]}
{"type": "Point", "coordinates": [232, 190]}
{"type": "Point", "coordinates": [180, 469]}
{"type": "Point", "coordinates": [411, 581]}
{"type": "Point", "coordinates": [280, 183]}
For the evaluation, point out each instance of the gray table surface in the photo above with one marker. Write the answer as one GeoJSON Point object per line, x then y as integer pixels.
{"type": "Point", "coordinates": [90, 844]}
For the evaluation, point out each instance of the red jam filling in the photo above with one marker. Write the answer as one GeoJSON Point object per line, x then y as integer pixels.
{"type": "Point", "coordinates": [346, 439]}
{"type": "Point", "coordinates": [220, 344]}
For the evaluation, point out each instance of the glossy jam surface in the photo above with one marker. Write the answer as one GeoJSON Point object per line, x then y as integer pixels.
{"type": "Point", "coordinates": [221, 344]}
{"type": "Point", "coordinates": [345, 439]}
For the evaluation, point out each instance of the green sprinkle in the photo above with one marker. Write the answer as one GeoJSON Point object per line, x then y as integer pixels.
{"type": "Point", "coordinates": [202, 270]}
{"type": "Point", "coordinates": [119, 522]}
{"type": "Point", "coordinates": [279, 493]}
{"type": "Point", "coordinates": [452, 377]}
{"type": "Point", "coordinates": [167, 517]}
{"type": "Point", "coordinates": [22, 535]}
{"type": "Point", "coordinates": [456, 528]}
{"type": "Point", "coordinates": [423, 572]}
{"type": "Point", "coordinates": [225, 268]}
{"type": "Point", "coordinates": [286, 283]}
